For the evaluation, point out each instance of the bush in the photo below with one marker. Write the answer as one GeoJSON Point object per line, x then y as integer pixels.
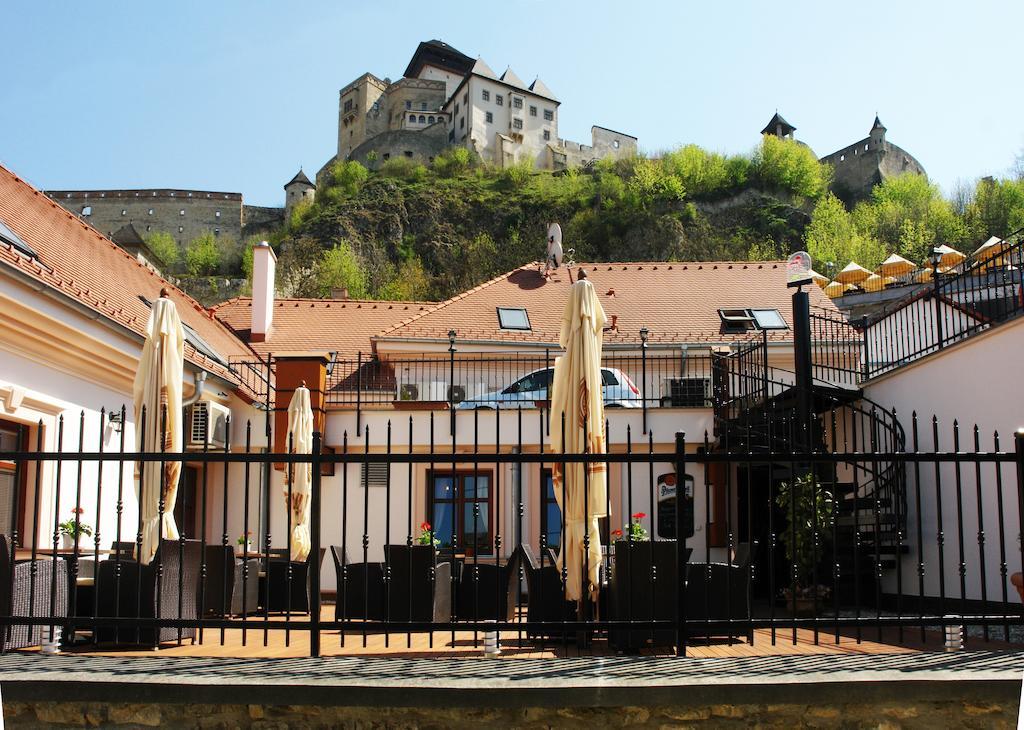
{"type": "Point", "coordinates": [651, 182]}
{"type": "Point", "coordinates": [202, 256]}
{"type": "Point", "coordinates": [164, 247]}
{"type": "Point", "coordinates": [452, 161]}
{"type": "Point", "coordinates": [338, 268]}
{"type": "Point", "coordinates": [518, 174]}
{"type": "Point", "coordinates": [348, 176]}
{"type": "Point", "coordinates": [786, 164]}
{"type": "Point", "coordinates": [700, 172]}
{"type": "Point", "coordinates": [403, 168]}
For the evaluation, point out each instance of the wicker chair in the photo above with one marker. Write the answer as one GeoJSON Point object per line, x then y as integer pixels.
{"type": "Point", "coordinates": [487, 590]}
{"type": "Point", "coordinates": [290, 594]}
{"type": "Point", "coordinates": [360, 589]}
{"type": "Point", "coordinates": [228, 591]}
{"type": "Point", "coordinates": [139, 592]}
{"type": "Point", "coordinates": [545, 600]}
{"type": "Point", "coordinates": [420, 587]}
{"type": "Point", "coordinates": [19, 596]}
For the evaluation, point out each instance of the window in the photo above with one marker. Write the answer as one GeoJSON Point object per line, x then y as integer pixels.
{"type": "Point", "coordinates": [181, 212]}
{"type": "Point", "coordinates": [149, 228]}
{"type": "Point", "coordinates": [407, 153]}
{"type": "Point", "coordinates": [13, 239]}
{"type": "Point", "coordinates": [460, 511]}
{"type": "Point", "coordinates": [615, 144]}
{"type": "Point", "coordinates": [387, 156]}
{"type": "Point", "coordinates": [485, 95]}
{"type": "Point", "coordinates": [423, 106]}
{"type": "Point", "coordinates": [217, 214]}
{"type": "Point", "coordinates": [533, 111]}
{"type": "Point", "coordinates": [124, 212]}
{"type": "Point", "coordinates": [451, 136]}
{"type": "Point", "coordinates": [430, 120]}
{"type": "Point", "coordinates": [513, 318]}
{"type": "Point", "coordinates": [499, 99]}
{"type": "Point", "coordinates": [456, 109]}
{"type": "Point", "coordinates": [532, 383]}
{"type": "Point", "coordinates": [13, 437]}
{"type": "Point", "coordinates": [408, 105]}
{"type": "Point", "coordinates": [423, 119]}
{"type": "Point", "coordinates": [465, 98]}
{"type": "Point", "coordinates": [549, 115]}
{"type": "Point", "coordinates": [462, 123]}
{"type": "Point", "coordinates": [517, 102]}
{"type": "Point", "coordinates": [550, 514]}
{"type": "Point", "coordinates": [150, 211]}
{"type": "Point", "coordinates": [547, 134]}
{"type": "Point", "coordinates": [488, 117]}
{"type": "Point", "coordinates": [181, 229]}
{"type": "Point", "coordinates": [743, 320]}
{"type": "Point", "coordinates": [216, 231]}
{"type": "Point", "coordinates": [517, 123]}
{"type": "Point", "coordinates": [412, 118]}
{"type": "Point", "coordinates": [348, 105]}
{"type": "Point", "coordinates": [86, 211]}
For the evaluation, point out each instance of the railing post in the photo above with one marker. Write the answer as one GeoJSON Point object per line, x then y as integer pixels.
{"type": "Point", "coordinates": [451, 378]}
{"type": "Point", "coordinates": [643, 373]}
{"type": "Point", "coordinates": [802, 363]}
{"type": "Point", "coordinates": [681, 563]}
{"type": "Point", "coordinates": [359, 392]}
{"type": "Point", "coordinates": [314, 550]}
{"type": "Point", "coordinates": [865, 366]}
{"type": "Point", "coordinates": [1018, 439]}
{"type": "Point", "coordinates": [938, 304]}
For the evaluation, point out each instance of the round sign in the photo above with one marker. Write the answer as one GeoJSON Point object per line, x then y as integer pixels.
{"type": "Point", "coordinates": [798, 269]}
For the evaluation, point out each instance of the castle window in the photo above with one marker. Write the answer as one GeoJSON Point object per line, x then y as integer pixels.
{"type": "Point", "coordinates": [408, 153]}
{"type": "Point", "coordinates": [842, 158]}
{"type": "Point", "coordinates": [430, 120]}
{"type": "Point", "coordinates": [180, 229]}
{"type": "Point", "coordinates": [87, 211]}
{"type": "Point", "coordinates": [615, 144]}
{"type": "Point", "coordinates": [865, 146]}
{"type": "Point", "coordinates": [150, 211]}
{"type": "Point", "coordinates": [423, 119]}
{"type": "Point", "coordinates": [348, 105]}
{"type": "Point", "coordinates": [423, 106]}
{"type": "Point", "coordinates": [462, 123]}
{"type": "Point", "coordinates": [456, 108]}
{"type": "Point", "coordinates": [216, 231]}
{"type": "Point", "coordinates": [517, 102]}
{"type": "Point", "coordinates": [451, 136]}
{"type": "Point", "coordinates": [488, 117]}
{"type": "Point", "coordinates": [549, 115]}
{"type": "Point", "coordinates": [517, 123]}
{"type": "Point", "coordinates": [465, 98]}
{"type": "Point", "coordinates": [499, 99]}
{"type": "Point", "coordinates": [547, 134]}
{"type": "Point", "coordinates": [412, 118]}
{"type": "Point", "coordinates": [533, 111]}
{"type": "Point", "coordinates": [387, 156]}
{"type": "Point", "coordinates": [148, 228]}
{"type": "Point", "coordinates": [181, 212]}
{"type": "Point", "coordinates": [485, 95]}
{"type": "Point", "coordinates": [124, 212]}
{"type": "Point", "coordinates": [217, 214]}
{"type": "Point", "coordinates": [408, 105]}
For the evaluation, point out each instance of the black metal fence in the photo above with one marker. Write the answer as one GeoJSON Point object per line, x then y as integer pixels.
{"type": "Point", "coordinates": [821, 528]}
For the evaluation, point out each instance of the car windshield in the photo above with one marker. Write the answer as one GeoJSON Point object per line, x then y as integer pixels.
{"type": "Point", "coordinates": [539, 380]}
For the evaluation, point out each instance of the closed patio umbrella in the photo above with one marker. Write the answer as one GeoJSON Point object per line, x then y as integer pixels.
{"type": "Point", "coordinates": [895, 265]}
{"type": "Point", "coordinates": [854, 273]}
{"type": "Point", "coordinates": [300, 429]}
{"type": "Point", "coordinates": [577, 397]}
{"type": "Point", "coordinates": [157, 389]}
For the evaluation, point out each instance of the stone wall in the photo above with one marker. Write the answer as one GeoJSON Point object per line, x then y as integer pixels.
{"type": "Point", "coordinates": [864, 164]}
{"type": "Point", "coordinates": [603, 143]}
{"type": "Point", "coordinates": [421, 146]}
{"type": "Point", "coordinates": [185, 214]}
{"type": "Point", "coordinates": [260, 219]}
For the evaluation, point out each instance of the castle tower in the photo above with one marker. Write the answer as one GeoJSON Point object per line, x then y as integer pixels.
{"type": "Point", "coordinates": [877, 134]}
{"type": "Point", "coordinates": [297, 190]}
{"type": "Point", "coordinates": [779, 127]}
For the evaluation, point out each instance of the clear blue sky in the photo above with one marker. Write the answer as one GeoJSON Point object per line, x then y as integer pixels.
{"type": "Point", "coordinates": [237, 95]}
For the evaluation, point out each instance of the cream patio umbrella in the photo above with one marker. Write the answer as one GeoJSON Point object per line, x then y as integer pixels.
{"type": "Point", "coordinates": [948, 256]}
{"type": "Point", "coordinates": [854, 273]}
{"type": "Point", "coordinates": [576, 396]}
{"type": "Point", "coordinates": [157, 389]}
{"type": "Point", "coordinates": [300, 429]}
{"type": "Point", "coordinates": [895, 265]}
{"type": "Point", "coordinates": [835, 289]}
{"type": "Point", "coordinates": [819, 279]}
{"type": "Point", "coordinates": [990, 249]}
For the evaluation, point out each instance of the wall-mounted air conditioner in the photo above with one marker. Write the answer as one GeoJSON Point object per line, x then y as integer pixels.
{"type": "Point", "coordinates": [686, 392]}
{"type": "Point", "coordinates": [207, 424]}
{"type": "Point", "coordinates": [431, 390]}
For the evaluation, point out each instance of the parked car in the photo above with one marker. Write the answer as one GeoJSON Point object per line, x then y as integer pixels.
{"type": "Point", "coordinates": [619, 391]}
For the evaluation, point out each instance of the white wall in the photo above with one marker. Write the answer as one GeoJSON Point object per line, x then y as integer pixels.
{"type": "Point", "coordinates": [978, 382]}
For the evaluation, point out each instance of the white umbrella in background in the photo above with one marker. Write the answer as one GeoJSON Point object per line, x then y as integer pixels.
{"type": "Point", "coordinates": [300, 429]}
{"type": "Point", "coordinates": [576, 394]}
{"type": "Point", "coordinates": [553, 256]}
{"type": "Point", "coordinates": [158, 389]}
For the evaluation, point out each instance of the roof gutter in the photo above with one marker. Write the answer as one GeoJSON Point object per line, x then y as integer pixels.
{"type": "Point", "coordinates": [555, 346]}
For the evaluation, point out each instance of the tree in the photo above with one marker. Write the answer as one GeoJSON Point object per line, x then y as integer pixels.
{"type": "Point", "coordinates": [202, 256]}
{"type": "Point", "coordinates": [348, 176]}
{"type": "Point", "coordinates": [832, 238]}
{"type": "Point", "coordinates": [340, 268]}
{"type": "Point", "coordinates": [164, 247]}
{"type": "Point", "coordinates": [788, 165]}
{"type": "Point", "coordinates": [997, 208]}
{"type": "Point", "coordinates": [409, 283]}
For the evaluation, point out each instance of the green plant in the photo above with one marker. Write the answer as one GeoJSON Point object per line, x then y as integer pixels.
{"type": "Point", "coordinates": [809, 508]}
{"type": "Point", "coordinates": [202, 256]}
{"type": "Point", "coordinates": [164, 247]}
{"type": "Point", "coordinates": [74, 526]}
{"type": "Point", "coordinates": [340, 268]}
{"type": "Point", "coordinates": [426, 536]}
{"type": "Point", "coordinates": [245, 539]}
{"type": "Point", "coordinates": [788, 165]}
{"type": "Point", "coordinates": [637, 531]}
{"type": "Point", "coordinates": [349, 176]}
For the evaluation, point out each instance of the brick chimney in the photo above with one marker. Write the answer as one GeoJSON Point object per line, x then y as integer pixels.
{"type": "Point", "coordinates": [264, 264]}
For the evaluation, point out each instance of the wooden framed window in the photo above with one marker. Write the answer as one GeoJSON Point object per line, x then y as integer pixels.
{"type": "Point", "coordinates": [13, 437]}
{"type": "Point", "coordinates": [461, 510]}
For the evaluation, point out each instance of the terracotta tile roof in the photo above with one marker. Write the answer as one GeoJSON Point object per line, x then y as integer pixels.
{"type": "Point", "coordinates": [677, 301]}
{"type": "Point", "coordinates": [78, 261]}
{"type": "Point", "coordinates": [345, 326]}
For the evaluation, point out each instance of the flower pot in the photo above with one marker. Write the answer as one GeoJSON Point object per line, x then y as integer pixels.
{"type": "Point", "coordinates": [67, 542]}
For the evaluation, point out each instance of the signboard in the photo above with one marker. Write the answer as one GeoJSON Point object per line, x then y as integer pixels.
{"type": "Point", "coordinates": [667, 506]}
{"type": "Point", "coordinates": [798, 269]}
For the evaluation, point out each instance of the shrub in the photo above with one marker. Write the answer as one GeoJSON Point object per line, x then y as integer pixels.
{"type": "Point", "coordinates": [788, 165]}
{"type": "Point", "coordinates": [340, 267]}
{"type": "Point", "coordinates": [650, 182]}
{"type": "Point", "coordinates": [164, 247]}
{"type": "Point", "coordinates": [348, 176]}
{"type": "Point", "coordinates": [452, 161]}
{"type": "Point", "coordinates": [202, 256]}
{"type": "Point", "coordinates": [403, 168]}
{"type": "Point", "coordinates": [700, 172]}
{"type": "Point", "coordinates": [518, 174]}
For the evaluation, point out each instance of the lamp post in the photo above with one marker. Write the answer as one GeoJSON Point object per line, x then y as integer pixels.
{"type": "Point", "coordinates": [644, 332]}
{"type": "Point", "coordinates": [934, 258]}
{"type": "Point", "coordinates": [451, 379]}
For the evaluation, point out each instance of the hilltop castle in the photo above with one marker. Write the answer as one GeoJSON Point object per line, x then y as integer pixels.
{"type": "Point", "coordinates": [860, 166]}
{"type": "Point", "coordinates": [446, 98]}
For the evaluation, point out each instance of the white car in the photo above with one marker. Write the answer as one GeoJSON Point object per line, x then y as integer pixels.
{"type": "Point", "coordinates": [619, 391]}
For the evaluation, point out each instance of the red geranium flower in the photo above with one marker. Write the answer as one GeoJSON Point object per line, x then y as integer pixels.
{"type": "Point", "coordinates": [77, 510]}
{"type": "Point", "coordinates": [425, 526]}
{"type": "Point", "coordinates": [616, 533]}
{"type": "Point", "coordinates": [639, 515]}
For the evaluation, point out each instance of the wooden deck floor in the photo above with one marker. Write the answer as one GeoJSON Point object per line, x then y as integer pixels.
{"type": "Point", "coordinates": [440, 643]}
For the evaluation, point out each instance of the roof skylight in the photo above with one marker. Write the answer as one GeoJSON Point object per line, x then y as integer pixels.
{"type": "Point", "coordinates": [513, 318]}
{"type": "Point", "coordinates": [13, 239]}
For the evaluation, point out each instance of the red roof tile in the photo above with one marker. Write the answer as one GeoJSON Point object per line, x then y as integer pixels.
{"type": "Point", "coordinates": [78, 261]}
{"type": "Point", "coordinates": [677, 301]}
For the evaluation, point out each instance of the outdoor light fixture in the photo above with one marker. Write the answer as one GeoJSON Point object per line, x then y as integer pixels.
{"type": "Point", "coordinates": [330, 363]}
{"type": "Point", "coordinates": [451, 340]}
{"type": "Point", "coordinates": [643, 335]}
{"type": "Point", "coordinates": [934, 258]}
{"type": "Point", "coordinates": [115, 419]}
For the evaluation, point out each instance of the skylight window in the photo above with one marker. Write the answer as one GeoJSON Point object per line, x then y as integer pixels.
{"type": "Point", "coordinates": [744, 320]}
{"type": "Point", "coordinates": [513, 318]}
{"type": "Point", "coordinates": [13, 239]}
{"type": "Point", "coordinates": [768, 319]}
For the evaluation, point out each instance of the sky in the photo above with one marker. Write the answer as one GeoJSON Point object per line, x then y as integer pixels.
{"type": "Point", "coordinates": [236, 95]}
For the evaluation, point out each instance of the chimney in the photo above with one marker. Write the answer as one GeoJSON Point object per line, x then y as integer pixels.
{"type": "Point", "coordinates": [264, 263]}
{"type": "Point", "coordinates": [615, 323]}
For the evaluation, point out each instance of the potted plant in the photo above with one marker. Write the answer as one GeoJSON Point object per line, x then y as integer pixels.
{"type": "Point", "coordinates": [809, 508]}
{"type": "Point", "coordinates": [426, 536]}
{"type": "Point", "coordinates": [637, 531]}
{"type": "Point", "coordinates": [72, 528]}
{"type": "Point", "coordinates": [245, 543]}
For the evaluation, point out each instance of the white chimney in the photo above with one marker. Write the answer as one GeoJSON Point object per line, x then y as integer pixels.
{"type": "Point", "coordinates": [264, 263]}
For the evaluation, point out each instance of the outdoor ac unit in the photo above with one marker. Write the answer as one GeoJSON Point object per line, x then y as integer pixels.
{"type": "Point", "coordinates": [207, 424]}
{"type": "Point", "coordinates": [426, 391]}
{"type": "Point", "coordinates": [409, 391]}
{"type": "Point", "coordinates": [686, 392]}
{"type": "Point", "coordinates": [456, 393]}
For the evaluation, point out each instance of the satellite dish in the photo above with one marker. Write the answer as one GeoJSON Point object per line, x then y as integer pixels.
{"type": "Point", "coordinates": [553, 258]}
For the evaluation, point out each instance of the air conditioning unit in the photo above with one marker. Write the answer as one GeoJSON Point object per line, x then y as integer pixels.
{"type": "Point", "coordinates": [686, 392]}
{"type": "Point", "coordinates": [207, 424]}
{"type": "Point", "coordinates": [456, 393]}
{"type": "Point", "coordinates": [409, 391]}
{"type": "Point", "coordinates": [431, 390]}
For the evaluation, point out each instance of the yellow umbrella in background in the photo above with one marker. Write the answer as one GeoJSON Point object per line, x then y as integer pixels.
{"type": "Point", "coordinates": [835, 289]}
{"type": "Point", "coordinates": [895, 265]}
{"type": "Point", "coordinates": [820, 280]}
{"type": "Point", "coordinates": [923, 275]}
{"type": "Point", "coordinates": [576, 396]}
{"type": "Point", "coordinates": [300, 428]}
{"type": "Point", "coordinates": [990, 249]}
{"type": "Point", "coordinates": [949, 256]}
{"type": "Point", "coordinates": [854, 273]}
{"type": "Point", "coordinates": [157, 389]}
{"type": "Point", "coordinates": [876, 282]}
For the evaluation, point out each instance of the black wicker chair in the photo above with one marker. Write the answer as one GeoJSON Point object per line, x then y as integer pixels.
{"type": "Point", "coordinates": [123, 548]}
{"type": "Point", "coordinates": [23, 595]}
{"type": "Point", "coordinates": [487, 589]}
{"type": "Point", "coordinates": [167, 588]}
{"type": "Point", "coordinates": [420, 587]}
{"type": "Point", "coordinates": [545, 600]}
{"type": "Point", "coordinates": [360, 589]}
{"type": "Point", "coordinates": [232, 585]}
{"type": "Point", "coordinates": [290, 594]}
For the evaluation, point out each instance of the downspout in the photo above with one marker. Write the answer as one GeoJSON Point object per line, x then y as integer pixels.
{"type": "Point", "coordinates": [197, 392]}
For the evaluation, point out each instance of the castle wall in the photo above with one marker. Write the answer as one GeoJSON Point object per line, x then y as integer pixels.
{"type": "Point", "coordinates": [409, 100]}
{"type": "Point", "coordinates": [864, 164]}
{"type": "Point", "coordinates": [258, 218]}
{"type": "Point", "coordinates": [604, 143]}
{"type": "Point", "coordinates": [185, 214]}
{"type": "Point", "coordinates": [421, 146]}
{"type": "Point", "coordinates": [357, 117]}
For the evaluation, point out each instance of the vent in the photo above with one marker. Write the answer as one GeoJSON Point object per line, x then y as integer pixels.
{"type": "Point", "coordinates": [456, 393]}
{"type": "Point", "coordinates": [375, 475]}
{"type": "Point", "coordinates": [208, 424]}
{"type": "Point", "coordinates": [409, 391]}
{"type": "Point", "coordinates": [686, 392]}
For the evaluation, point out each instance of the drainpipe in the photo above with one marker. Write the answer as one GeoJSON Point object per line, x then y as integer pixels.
{"type": "Point", "coordinates": [197, 392]}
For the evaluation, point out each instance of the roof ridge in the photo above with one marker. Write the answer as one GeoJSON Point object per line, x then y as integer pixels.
{"type": "Point", "coordinates": [326, 300]}
{"type": "Point", "coordinates": [457, 297]}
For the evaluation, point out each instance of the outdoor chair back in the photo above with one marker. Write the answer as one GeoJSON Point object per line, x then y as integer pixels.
{"type": "Point", "coordinates": [487, 589]}
{"type": "Point", "coordinates": [22, 593]}
{"type": "Point", "coordinates": [420, 587]}
{"type": "Point", "coordinates": [288, 583]}
{"type": "Point", "coordinates": [231, 586]}
{"type": "Point", "coordinates": [360, 588]}
{"type": "Point", "coordinates": [545, 594]}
